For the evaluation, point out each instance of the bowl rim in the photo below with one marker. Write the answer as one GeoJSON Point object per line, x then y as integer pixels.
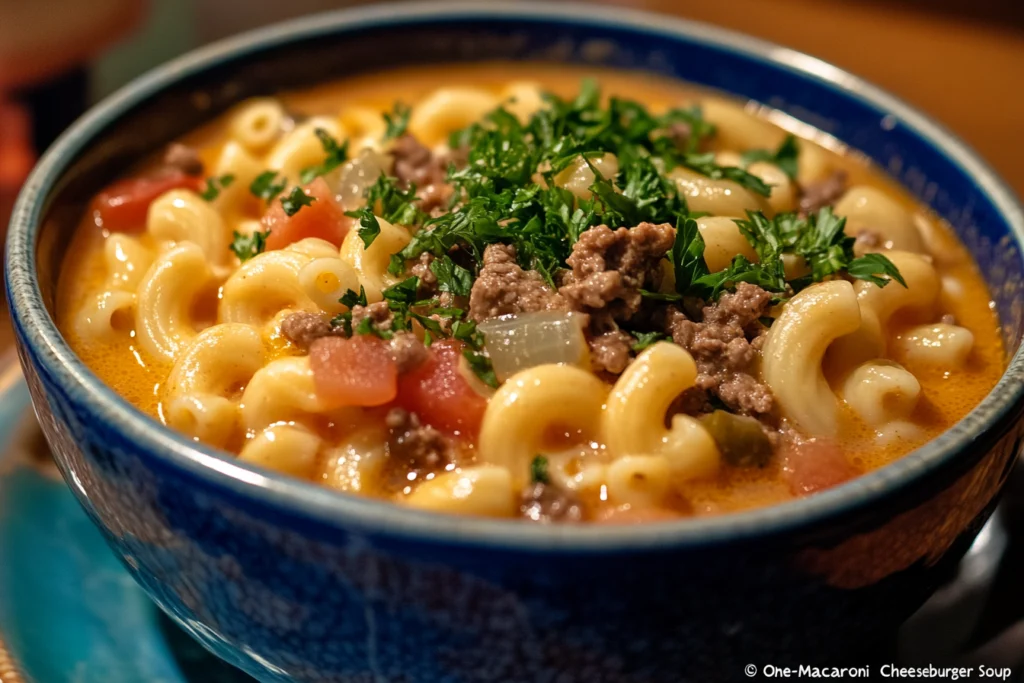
{"type": "Point", "coordinates": [336, 509]}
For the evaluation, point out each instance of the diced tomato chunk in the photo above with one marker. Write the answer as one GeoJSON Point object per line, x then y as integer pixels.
{"type": "Point", "coordinates": [122, 207]}
{"type": "Point", "coordinates": [324, 218]}
{"type": "Point", "coordinates": [814, 465]}
{"type": "Point", "coordinates": [440, 395]}
{"type": "Point", "coordinates": [353, 372]}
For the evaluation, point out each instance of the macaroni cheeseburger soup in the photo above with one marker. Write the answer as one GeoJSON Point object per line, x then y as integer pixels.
{"type": "Point", "coordinates": [533, 292]}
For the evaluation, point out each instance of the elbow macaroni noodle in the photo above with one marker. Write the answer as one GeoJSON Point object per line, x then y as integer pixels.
{"type": "Point", "coordinates": [792, 355]}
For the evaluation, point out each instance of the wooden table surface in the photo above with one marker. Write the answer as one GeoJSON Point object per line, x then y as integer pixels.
{"type": "Point", "coordinates": [966, 71]}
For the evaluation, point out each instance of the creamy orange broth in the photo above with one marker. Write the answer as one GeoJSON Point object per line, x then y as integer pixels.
{"type": "Point", "coordinates": [946, 396]}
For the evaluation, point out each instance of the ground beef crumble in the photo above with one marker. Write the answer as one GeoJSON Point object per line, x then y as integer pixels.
{"type": "Point", "coordinates": [183, 158]}
{"type": "Point", "coordinates": [416, 165]}
{"type": "Point", "coordinates": [547, 503]}
{"type": "Point", "coordinates": [379, 313]}
{"type": "Point", "coordinates": [724, 345]}
{"type": "Point", "coordinates": [302, 329]}
{"type": "Point", "coordinates": [407, 351]}
{"type": "Point", "coordinates": [609, 351]}
{"type": "Point", "coordinates": [610, 267]}
{"type": "Point", "coordinates": [414, 448]}
{"type": "Point", "coordinates": [819, 194]}
{"type": "Point", "coordinates": [503, 287]}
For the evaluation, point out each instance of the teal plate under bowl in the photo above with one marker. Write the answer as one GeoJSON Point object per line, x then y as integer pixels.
{"type": "Point", "coordinates": [69, 612]}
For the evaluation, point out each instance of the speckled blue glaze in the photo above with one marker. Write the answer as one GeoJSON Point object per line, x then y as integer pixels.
{"type": "Point", "coordinates": [293, 582]}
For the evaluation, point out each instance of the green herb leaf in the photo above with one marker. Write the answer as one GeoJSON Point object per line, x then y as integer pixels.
{"type": "Point", "coordinates": [688, 255]}
{"type": "Point", "coordinates": [266, 186]}
{"type": "Point", "coordinates": [480, 364]}
{"type": "Point", "coordinates": [660, 296]}
{"type": "Point", "coordinates": [337, 154]}
{"type": "Point", "coordinates": [247, 246]}
{"type": "Point", "coordinates": [705, 164]}
{"type": "Point", "coordinates": [785, 157]}
{"type": "Point", "coordinates": [645, 339]}
{"type": "Point", "coordinates": [369, 227]}
{"type": "Point", "coordinates": [539, 470]}
{"type": "Point", "coordinates": [215, 185]}
{"type": "Point", "coordinates": [397, 121]}
{"type": "Point", "coordinates": [350, 298]}
{"type": "Point", "coordinates": [368, 326]}
{"type": "Point", "coordinates": [871, 267]}
{"type": "Point", "coordinates": [451, 277]}
{"type": "Point", "coordinates": [295, 201]}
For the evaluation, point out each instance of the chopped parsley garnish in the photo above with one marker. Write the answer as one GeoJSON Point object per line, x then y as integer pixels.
{"type": "Point", "coordinates": [336, 153]}
{"type": "Point", "coordinates": [384, 198]}
{"type": "Point", "coordinates": [481, 366]}
{"type": "Point", "coordinates": [215, 185]}
{"type": "Point", "coordinates": [818, 238]}
{"type": "Point", "coordinates": [785, 157]}
{"type": "Point", "coordinates": [645, 339]}
{"type": "Point", "coordinates": [451, 277]}
{"type": "Point", "coordinates": [539, 470]}
{"type": "Point", "coordinates": [705, 164]}
{"type": "Point", "coordinates": [660, 296]}
{"type": "Point", "coordinates": [397, 121]}
{"type": "Point", "coordinates": [247, 246]}
{"type": "Point", "coordinates": [295, 200]}
{"type": "Point", "coordinates": [267, 186]}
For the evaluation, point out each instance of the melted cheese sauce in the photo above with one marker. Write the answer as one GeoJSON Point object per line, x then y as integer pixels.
{"type": "Point", "coordinates": [946, 396]}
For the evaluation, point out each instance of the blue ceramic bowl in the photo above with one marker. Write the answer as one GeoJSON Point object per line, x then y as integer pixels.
{"type": "Point", "coordinates": [293, 582]}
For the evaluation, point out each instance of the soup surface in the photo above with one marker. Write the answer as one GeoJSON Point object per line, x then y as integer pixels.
{"type": "Point", "coordinates": [531, 291]}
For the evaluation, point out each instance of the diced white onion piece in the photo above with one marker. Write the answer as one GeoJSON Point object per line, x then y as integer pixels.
{"type": "Point", "coordinates": [518, 342]}
{"type": "Point", "coordinates": [350, 180]}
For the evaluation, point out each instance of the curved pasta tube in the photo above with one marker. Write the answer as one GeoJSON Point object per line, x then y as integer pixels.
{"type": "Point", "coordinates": [313, 247]}
{"type": "Point", "coordinates": [221, 360]}
{"type": "Point", "coordinates": [371, 263]}
{"type": "Point", "coordinates": [793, 352]}
{"type": "Point", "coordinates": [529, 402]}
{"type": "Point", "coordinates": [257, 123]}
{"type": "Point", "coordinates": [578, 176]}
{"type": "Point", "coordinates": [355, 463]}
{"type": "Point", "coordinates": [301, 148]}
{"type": "Point", "coordinates": [127, 261]}
{"type": "Point", "coordinates": [640, 481]}
{"type": "Point", "coordinates": [290, 449]}
{"type": "Point", "coordinates": [325, 281]}
{"type": "Point", "coordinates": [938, 346]}
{"type": "Point", "coordinates": [484, 490]}
{"type": "Point", "coordinates": [868, 208]}
{"type": "Point", "coordinates": [879, 304]}
{"type": "Point", "coordinates": [522, 99]}
{"type": "Point", "coordinates": [363, 126]}
{"type": "Point", "coordinates": [183, 216]}
{"type": "Point", "coordinates": [201, 391]}
{"type": "Point", "coordinates": [738, 127]}
{"type": "Point", "coordinates": [447, 110]}
{"type": "Point", "coordinates": [717, 197]}
{"type": "Point", "coordinates": [163, 321]}
{"type": "Point", "coordinates": [783, 196]}
{"type": "Point", "coordinates": [283, 391]}
{"type": "Point", "coordinates": [263, 286]}
{"type": "Point", "coordinates": [106, 316]}
{"type": "Point", "coordinates": [880, 392]}
{"type": "Point", "coordinates": [209, 418]}
{"type": "Point", "coordinates": [633, 423]}
{"type": "Point", "coordinates": [722, 242]}
{"type": "Point", "coordinates": [235, 161]}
